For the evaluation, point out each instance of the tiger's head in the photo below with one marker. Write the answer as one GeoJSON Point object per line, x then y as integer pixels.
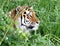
{"type": "Point", "coordinates": [26, 18]}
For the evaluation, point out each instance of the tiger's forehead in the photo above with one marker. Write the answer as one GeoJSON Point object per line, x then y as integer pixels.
{"type": "Point", "coordinates": [26, 10]}
{"type": "Point", "coordinates": [26, 13]}
{"type": "Point", "coordinates": [25, 7]}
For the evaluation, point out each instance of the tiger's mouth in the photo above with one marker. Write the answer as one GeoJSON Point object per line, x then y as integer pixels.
{"type": "Point", "coordinates": [31, 27]}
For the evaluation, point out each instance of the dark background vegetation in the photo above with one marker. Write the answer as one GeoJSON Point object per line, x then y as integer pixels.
{"type": "Point", "coordinates": [48, 34]}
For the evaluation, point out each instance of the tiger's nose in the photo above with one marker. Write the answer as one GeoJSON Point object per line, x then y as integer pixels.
{"type": "Point", "coordinates": [38, 22]}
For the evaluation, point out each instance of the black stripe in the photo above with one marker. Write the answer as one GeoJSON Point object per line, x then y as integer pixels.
{"type": "Point", "coordinates": [21, 19]}
{"type": "Point", "coordinates": [24, 18]}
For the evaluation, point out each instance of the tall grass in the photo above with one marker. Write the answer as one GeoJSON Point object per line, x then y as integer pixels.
{"type": "Point", "coordinates": [48, 34]}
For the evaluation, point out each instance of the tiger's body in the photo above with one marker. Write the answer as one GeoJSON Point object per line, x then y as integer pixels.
{"type": "Point", "coordinates": [26, 18]}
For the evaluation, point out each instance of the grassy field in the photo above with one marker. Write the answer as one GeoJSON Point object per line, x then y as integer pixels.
{"type": "Point", "coordinates": [48, 34]}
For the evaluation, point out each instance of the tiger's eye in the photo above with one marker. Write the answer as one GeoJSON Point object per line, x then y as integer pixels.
{"type": "Point", "coordinates": [24, 12]}
{"type": "Point", "coordinates": [27, 21]}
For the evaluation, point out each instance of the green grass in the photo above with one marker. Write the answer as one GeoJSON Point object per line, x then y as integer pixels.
{"type": "Point", "coordinates": [48, 34]}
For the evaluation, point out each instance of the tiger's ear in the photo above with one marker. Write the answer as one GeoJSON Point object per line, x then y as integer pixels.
{"type": "Point", "coordinates": [18, 9]}
{"type": "Point", "coordinates": [31, 7]}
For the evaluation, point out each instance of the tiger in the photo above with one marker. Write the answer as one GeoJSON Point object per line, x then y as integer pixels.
{"type": "Point", "coordinates": [26, 18]}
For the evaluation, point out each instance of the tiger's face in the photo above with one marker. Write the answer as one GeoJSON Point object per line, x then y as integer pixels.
{"type": "Point", "coordinates": [25, 17]}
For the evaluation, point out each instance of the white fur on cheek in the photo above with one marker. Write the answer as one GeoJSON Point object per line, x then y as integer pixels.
{"type": "Point", "coordinates": [23, 20]}
{"type": "Point", "coordinates": [35, 27]}
{"type": "Point", "coordinates": [23, 28]}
